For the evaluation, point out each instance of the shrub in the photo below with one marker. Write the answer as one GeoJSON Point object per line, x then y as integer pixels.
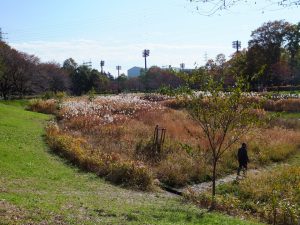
{"type": "Point", "coordinates": [154, 97]}
{"type": "Point", "coordinates": [54, 95]}
{"type": "Point", "coordinates": [130, 174]}
{"type": "Point", "coordinates": [178, 103]}
{"type": "Point", "coordinates": [275, 105]}
{"type": "Point", "coordinates": [279, 200]}
{"type": "Point", "coordinates": [282, 105]}
{"type": "Point", "coordinates": [286, 123]}
{"type": "Point", "coordinates": [71, 148]}
{"type": "Point", "coordinates": [179, 169]}
{"type": "Point", "coordinates": [283, 88]}
{"type": "Point", "coordinates": [43, 106]}
{"type": "Point", "coordinates": [126, 173]}
{"type": "Point", "coordinates": [273, 196]}
{"type": "Point", "coordinates": [148, 152]}
{"type": "Point", "coordinates": [91, 94]}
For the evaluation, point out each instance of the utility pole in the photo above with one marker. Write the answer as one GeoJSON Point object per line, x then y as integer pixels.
{"type": "Point", "coordinates": [101, 65]}
{"type": "Point", "coordinates": [236, 45]}
{"type": "Point", "coordinates": [1, 35]}
{"type": "Point", "coordinates": [205, 57]}
{"type": "Point", "coordinates": [146, 53]}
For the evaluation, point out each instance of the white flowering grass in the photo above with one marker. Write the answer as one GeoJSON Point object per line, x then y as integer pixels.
{"type": "Point", "coordinates": [107, 109]}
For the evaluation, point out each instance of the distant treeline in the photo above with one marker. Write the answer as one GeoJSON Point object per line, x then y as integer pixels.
{"type": "Point", "coordinates": [272, 59]}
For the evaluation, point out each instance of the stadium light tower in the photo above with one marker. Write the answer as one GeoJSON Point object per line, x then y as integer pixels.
{"type": "Point", "coordinates": [236, 45]}
{"type": "Point", "coordinates": [146, 53]}
{"type": "Point", "coordinates": [101, 65]}
{"type": "Point", "coordinates": [118, 68]}
{"type": "Point", "coordinates": [182, 66]}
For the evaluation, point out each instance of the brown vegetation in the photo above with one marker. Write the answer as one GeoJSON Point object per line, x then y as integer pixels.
{"type": "Point", "coordinates": [122, 144]}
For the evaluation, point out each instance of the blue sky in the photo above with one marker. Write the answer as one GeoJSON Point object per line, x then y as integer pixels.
{"type": "Point", "coordinates": [117, 31]}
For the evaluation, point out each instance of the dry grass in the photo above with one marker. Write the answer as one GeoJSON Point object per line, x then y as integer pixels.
{"type": "Point", "coordinates": [283, 105]}
{"type": "Point", "coordinates": [43, 106]}
{"type": "Point", "coordinates": [274, 105]}
{"type": "Point", "coordinates": [272, 196]}
{"type": "Point", "coordinates": [115, 169]}
{"type": "Point", "coordinates": [123, 127]}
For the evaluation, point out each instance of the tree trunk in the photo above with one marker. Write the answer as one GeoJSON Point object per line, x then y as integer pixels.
{"type": "Point", "coordinates": [213, 199]}
{"type": "Point", "coordinates": [4, 94]}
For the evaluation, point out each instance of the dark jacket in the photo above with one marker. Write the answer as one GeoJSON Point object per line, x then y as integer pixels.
{"type": "Point", "coordinates": [243, 155]}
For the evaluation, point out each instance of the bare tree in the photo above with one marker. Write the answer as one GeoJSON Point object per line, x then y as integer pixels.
{"type": "Point", "coordinates": [224, 119]}
{"type": "Point", "coordinates": [213, 6]}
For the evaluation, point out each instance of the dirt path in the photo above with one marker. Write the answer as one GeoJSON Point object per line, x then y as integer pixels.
{"type": "Point", "coordinates": [205, 186]}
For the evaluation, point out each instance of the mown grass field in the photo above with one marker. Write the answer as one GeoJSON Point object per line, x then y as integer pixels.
{"type": "Point", "coordinates": [38, 187]}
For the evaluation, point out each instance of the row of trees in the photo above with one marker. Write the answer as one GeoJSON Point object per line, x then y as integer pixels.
{"type": "Point", "coordinates": [22, 74]}
{"type": "Point", "coordinates": [271, 59]}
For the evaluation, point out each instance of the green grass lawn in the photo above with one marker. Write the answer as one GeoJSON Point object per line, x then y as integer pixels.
{"type": "Point", "coordinates": [287, 115]}
{"type": "Point", "coordinates": [38, 187]}
{"type": "Point", "coordinates": [285, 92]}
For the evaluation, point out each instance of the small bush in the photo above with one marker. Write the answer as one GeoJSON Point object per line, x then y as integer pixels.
{"type": "Point", "coordinates": [43, 106]}
{"type": "Point", "coordinates": [273, 196]}
{"type": "Point", "coordinates": [131, 175]}
{"type": "Point", "coordinates": [154, 97]}
{"type": "Point", "coordinates": [54, 95]}
{"type": "Point", "coordinates": [284, 88]}
{"type": "Point", "coordinates": [179, 103]}
{"type": "Point", "coordinates": [278, 200]}
{"type": "Point", "coordinates": [289, 123]}
{"type": "Point", "coordinates": [282, 105]}
{"type": "Point", "coordinates": [110, 166]}
{"type": "Point", "coordinates": [179, 169]}
{"type": "Point", "coordinates": [91, 94]}
{"type": "Point", "coordinates": [151, 153]}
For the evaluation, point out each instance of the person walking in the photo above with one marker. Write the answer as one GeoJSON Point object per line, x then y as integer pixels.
{"type": "Point", "coordinates": [243, 159]}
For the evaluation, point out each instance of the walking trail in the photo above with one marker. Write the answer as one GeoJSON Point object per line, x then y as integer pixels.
{"type": "Point", "coordinates": [206, 186]}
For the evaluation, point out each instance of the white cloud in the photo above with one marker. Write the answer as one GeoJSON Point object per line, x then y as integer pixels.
{"type": "Point", "coordinates": [126, 55]}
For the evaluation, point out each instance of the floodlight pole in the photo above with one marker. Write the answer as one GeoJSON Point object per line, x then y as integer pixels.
{"type": "Point", "coordinates": [102, 65]}
{"type": "Point", "coordinates": [146, 53]}
{"type": "Point", "coordinates": [237, 45]}
{"type": "Point", "coordinates": [182, 66]}
{"type": "Point", "coordinates": [118, 68]}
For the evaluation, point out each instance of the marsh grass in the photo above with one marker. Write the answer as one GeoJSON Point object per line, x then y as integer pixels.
{"type": "Point", "coordinates": [91, 132]}
{"type": "Point", "coordinates": [49, 106]}
{"type": "Point", "coordinates": [37, 187]}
